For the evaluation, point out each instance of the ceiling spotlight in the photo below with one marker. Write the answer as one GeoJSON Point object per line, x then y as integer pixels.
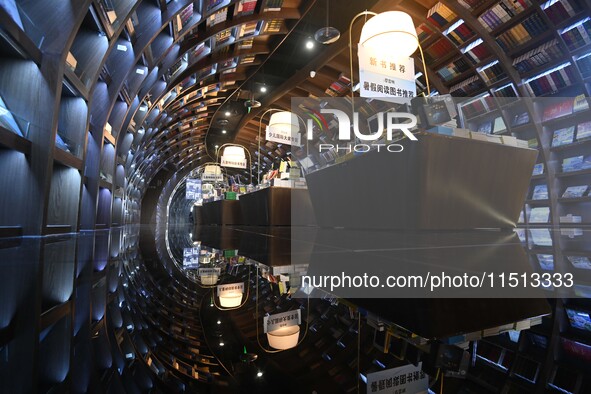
{"type": "Point", "coordinates": [263, 89]}
{"type": "Point", "coordinates": [219, 322]}
{"type": "Point", "coordinates": [221, 343]}
{"type": "Point", "coordinates": [224, 131]}
{"type": "Point", "coordinates": [309, 44]}
{"type": "Point", "coordinates": [259, 374]}
{"type": "Point", "coordinates": [228, 113]}
{"type": "Point", "coordinates": [217, 146]}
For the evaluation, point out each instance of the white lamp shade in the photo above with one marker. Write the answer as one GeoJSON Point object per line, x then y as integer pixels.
{"type": "Point", "coordinates": [284, 338]}
{"type": "Point", "coordinates": [284, 121]}
{"type": "Point", "coordinates": [212, 169]}
{"type": "Point", "coordinates": [209, 279]}
{"type": "Point", "coordinates": [231, 300]}
{"type": "Point", "coordinates": [234, 152]}
{"type": "Point", "coordinates": [391, 31]}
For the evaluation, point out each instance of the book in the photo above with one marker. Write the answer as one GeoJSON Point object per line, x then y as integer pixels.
{"type": "Point", "coordinates": [583, 131]}
{"type": "Point", "coordinates": [575, 191]}
{"type": "Point", "coordinates": [586, 163]}
{"type": "Point", "coordinates": [546, 261]}
{"type": "Point", "coordinates": [541, 237]}
{"type": "Point", "coordinates": [580, 103]}
{"type": "Point", "coordinates": [538, 169]}
{"type": "Point", "coordinates": [571, 164]}
{"type": "Point", "coordinates": [499, 125]}
{"type": "Point", "coordinates": [539, 215]}
{"type": "Point", "coordinates": [580, 262]}
{"type": "Point", "coordinates": [563, 136]}
{"type": "Point", "coordinates": [520, 119]}
{"type": "Point", "coordinates": [540, 192]}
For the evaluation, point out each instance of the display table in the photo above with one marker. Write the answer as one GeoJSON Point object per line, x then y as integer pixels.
{"type": "Point", "coordinates": [438, 182]}
{"type": "Point", "coordinates": [273, 206]}
{"type": "Point", "coordinates": [221, 212]}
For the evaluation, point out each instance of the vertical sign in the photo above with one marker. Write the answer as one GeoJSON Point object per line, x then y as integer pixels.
{"type": "Point", "coordinates": [406, 379]}
{"type": "Point", "coordinates": [386, 78]}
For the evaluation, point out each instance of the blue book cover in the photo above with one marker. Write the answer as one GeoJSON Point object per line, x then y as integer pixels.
{"type": "Point", "coordinates": [546, 261]}
{"type": "Point", "coordinates": [539, 215]}
{"type": "Point", "coordinates": [538, 169]}
{"type": "Point", "coordinates": [580, 262]}
{"type": "Point", "coordinates": [575, 191]}
{"type": "Point", "coordinates": [583, 131]}
{"type": "Point", "coordinates": [572, 164]}
{"type": "Point", "coordinates": [540, 192]}
{"type": "Point", "coordinates": [563, 136]}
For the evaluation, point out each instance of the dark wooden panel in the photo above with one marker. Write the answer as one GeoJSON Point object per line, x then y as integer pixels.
{"type": "Point", "coordinates": [62, 207]}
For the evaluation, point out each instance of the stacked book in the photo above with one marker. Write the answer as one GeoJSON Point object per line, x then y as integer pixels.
{"type": "Point", "coordinates": [339, 87]}
{"type": "Point", "coordinates": [217, 17]}
{"type": "Point", "coordinates": [575, 191]}
{"type": "Point", "coordinates": [453, 69]}
{"type": "Point", "coordinates": [539, 56]}
{"type": "Point", "coordinates": [550, 82]}
{"type": "Point", "coordinates": [439, 49]}
{"type": "Point", "coordinates": [472, 4]}
{"type": "Point", "coordinates": [559, 11]}
{"type": "Point", "coordinates": [273, 5]}
{"type": "Point", "coordinates": [248, 29]}
{"type": "Point", "coordinates": [476, 51]}
{"type": "Point", "coordinates": [211, 4]}
{"type": "Point", "coordinates": [577, 35]}
{"type": "Point", "coordinates": [505, 91]}
{"type": "Point", "coordinates": [478, 106]}
{"type": "Point", "coordinates": [424, 32]}
{"type": "Point", "coordinates": [576, 163]}
{"type": "Point", "coordinates": [502, 12]}
{"type": "Point", "coordinates": [533, 26]}
{"type": "Point", "coordinates": [584, 131]}
{"type": "Point", "coordinates": [540, 192]}
{"type": "Point", "coordinates": [440, 15]}
{"type": "Point", "coordinates": [183, 17]}
{"type": "Point", "coordinates": [459, 33]}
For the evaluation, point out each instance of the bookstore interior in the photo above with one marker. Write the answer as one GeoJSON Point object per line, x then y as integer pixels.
{"type": "Point", "coordinates": [300, 196]}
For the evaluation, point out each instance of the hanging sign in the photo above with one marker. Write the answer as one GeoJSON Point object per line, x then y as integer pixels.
{"type": "Point", "coordinates": [406, 379]}
{"type": "Point", "coordinates": [283, 135]}
{"type": "Point", "coordinates": [385, 77]}
{"type": "Point", "coordinates": [233, 162]}
{"type": "Point", "coordinates": [230, 288]}
{"type": "Point", "coordinates": [193, 189]}
{"type": "Point", "coordinates": [281, 320]}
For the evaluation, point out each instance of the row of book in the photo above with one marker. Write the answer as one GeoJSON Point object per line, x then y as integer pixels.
{"type": "Point", "coordinates": [453, 69]}
{"type": "Point", "coordinates": [505, 91]}
{"type": "Point", "coordinates": [502, 12]}
{"type": "Point", "coordinates": [575, 191]}
{"type": "Point", "coordinates": [576, 163]}
{"type": "Point", "coordinates": [539, 215]}
{"type": "Point", "coordinates": [440, 15]}
{"type": "Point", "coordinates": [460, 33]}
{"type": "Point", "coordinates": [492, 72]}
{"type": "Point", "coordinates": [577, 35]}
{"type": "Point", "coordinates": [584, 64]}
{"type": "Point", "coordinates": [545, 53]}
{"type": "Point", "coordinates": [246, 7]}
{"type": "Point", "coordinates": [532, 26]}
{"type": "Point", "coordinates": [565, 107]}
{"type": "Point", "coordinates": [493, 126]}
{"type": "Point", "coordinates": [183, 17]}
{"type": "Point", "coordinates": [339, 87]}
{"type": "Point", "coordinates": [562, 10]}
{"type": "Point", "coordinates": [440, 48]}
{"type": "Point", "coordinates": [478, 106]}
{"type": "Point", "coordinates": [424, 32]}
{"type": "Point", "coordinates": [472, 4]}
{"type": "Point", "coordinates": [551, 82]}
{"type": "Point", "coordinates": [477, 51]}
{"type": "Point", "coordinates": [467, 86]}
{"type": "Point", "coordinates": [566, 135]}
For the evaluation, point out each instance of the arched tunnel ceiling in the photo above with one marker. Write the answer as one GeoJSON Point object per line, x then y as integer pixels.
{"type": "Point", "coordinates": [172, 75]}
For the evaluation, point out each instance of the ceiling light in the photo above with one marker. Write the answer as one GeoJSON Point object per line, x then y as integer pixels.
{"type": "Point", "coordinates": [228, 113]}
{"type": "Point", "coordinates": [221, 343]}
{"type": "Point", "coordinates": [309, 44]}
{"type": "Point", "coordinates": [259, 374]}
{"type": "Point", "coordinates": [219, 322]}
{"type": "Point", "coordinates": [224, 131]}
{"type": "Point", "coordinates": [263, 89]}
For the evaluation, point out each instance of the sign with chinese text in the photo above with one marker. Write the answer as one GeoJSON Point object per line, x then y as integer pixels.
{"type": "Point", "coordinates": [386, 78]}
{"type": "Point", "coordinates": [407, 379]}
{"type": "Point", "coordinates": [283, 135]}
{"type": "Point", "coordinates": [193, 189]}
{"type": "Point", "coordinates": [230, 288]}
{"type": "Point", "coordinates": [233, 162]}
{"type": "Point", "coordinates": [209, 271]}
{"type": "Point", "coordinates": [281, 320]}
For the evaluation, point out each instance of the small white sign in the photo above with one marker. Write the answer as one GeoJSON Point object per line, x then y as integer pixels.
{"type": "Point", "coordinates": [230, 288]}
{"type": "Point", "coordinates": [233, 162]}
{"type": "Point", "coordinates": [386, 78]}
{"type": "Point", "coordinates": [280, 320]}
{"type": "Point", "coordinates": [209, 271]}
{"type": "Point", "coordinates": [212, 177]}
{"type": "Point", "coordinates": [406, 379]}
{"type": "Point", "coordinates": [283, 136]}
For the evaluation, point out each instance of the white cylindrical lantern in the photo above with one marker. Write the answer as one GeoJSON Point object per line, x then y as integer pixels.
{"type": "Point", "coordinates": [234, 152]}
{"type": "Point", "coordinates": [284, 338]}
{"type": "Point", "coordinates": [284, 121]}
{"type": "Point", "coordinates": [392, 31]}
{"type": "Point", "coordinates": [230, 300]}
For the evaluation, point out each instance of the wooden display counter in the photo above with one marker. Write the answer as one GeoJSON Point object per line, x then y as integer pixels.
{"type": "Point", "coordinates": [438, 182]}
{"type": "Point", "coordinates": [221, 212]}
{"type": "Point", "coordinates": [273, 206]}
